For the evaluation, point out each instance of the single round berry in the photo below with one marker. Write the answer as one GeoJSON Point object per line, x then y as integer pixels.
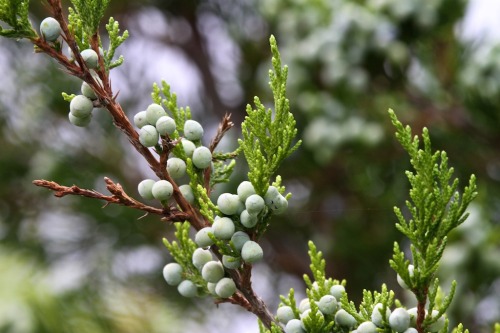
{"type": "Point", "coordinates": [251, 252]}
{"type": "Point", "coordinates": [294, 326]}
{"type": "Point", "coordinates": [239, 239]}
{"type": "Point", "coordinates": [165, 125]}
{"type": "Point", "coordinates": [225, 288]}
{"type": "Point", "coordinates": [140, 119]}
{"type": "Point", "coordinates": [254, 204]}
{"type": "Point", "coordinates": [280, 204]}
{"type": "Point", "coordinates": [245, 189]}
{"type": "Point", "coordinates": [376, 317]}
{"type": "Point", "coordinates": [201, 257]}
{"type": "Point", "coordinates": [285, 314]}
{"type": "Point", "coordinates": [80, 122]}
{"type": "Point", "coordinates": [162, 190]}
{"type": "Point", "coordinates": [187, 289]}
{"type": "Point", "coordinates": [228, 203]}
{"type": "Point", "coordinates": [87, 91]}
{"type": "Point", "coordinates": [212, 271]}
{"type": "Point", "coordinates": [411, 330]}
{"type": "Point", "coordinates": [327, 304]}
{"type": "Point", "coordinates": [90, 58]}
{"type": "Point", "coordinates": [223, 228]}
{"type": "Point", "coordinates": [188, 147]}
{"type": "Point", "coordinates": [343, 318]}
{"type": "Point", "coordinates": [148, 136]}
{"type": "Point", "coordinates": [400, 280]}
{"type": "Point", "coordinates": [193, 130]}
{"type": "Point", "coordinates": [437, 325]}
{"type": "Point", "coordinates": [50, 29]}
{"type": "Point", "coordinates": [211, 288]}
{"type": "Point", "coordinates": [413, 312]}
{"type": "Point", "coordinates": [399, 320]}
{"type": "Point", "coordinates": [176, 167]}
{"type": "Point", "coordinates": [187, 192]}
{"type": "Point", "coordinates": [304, 304]}
{"type": "Point", "coordinates": [81, 107]}
{"type": "Point", "coordinates": [271, 194]}
{"type": "Point", "coordinates": [154, 112]}
{"type": "Point", "coordinates": [172, 273]}
{"type": "Point", "coordinates": [202, 157]}
{"type": "Point", "coordinates": [247, 220]}
{"type": "Point", "coordinates": [145, 189]}
{"type": "Point", "coordinates": [367, 327]}
{"type": "Point", "coordinates": [202, 239]}
{"type": "Point", "coordinates": [231, 262]}
{"type": "Point", "coordinates": [337, 291]}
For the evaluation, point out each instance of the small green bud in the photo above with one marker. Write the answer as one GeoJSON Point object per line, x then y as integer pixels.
{"type": "Point", "coordinates": [145, 189]}
{"type": "Point", "coordinates": [367, 327]}
{"type": "Point", "coordinates": [247, 220]}
{"type": "Point", "coordinates": [80, 122]}
{"type": "Point", "coordinates": [172, 273]}
{"type": "Point", "coordinates": [187, 289]}
{"type": "Point", "coordinates": [223, 228]}
{"type": "Point", "coordinates": [399, 320]}
{"type": "Point", "coordinates": [80, 106]}
{"type": "Point", "coordinates": [176, 167]}
{"type": "Point", "coordinates": [162, 190]}
{"type": "Point", "coordinates": [327, 304]}
{"type": "Point", "coordinates": [245, 189]}
{"type": "Point", "coordinates": [251, 252]}
{"type": "Point", "coordinates": [254, 204]}
{"type": "Point", "coordinates": [154, 112]}
{"type": "Point", "coordinates": [187, 192]}
{"type": "Point", "coordinates": [225, 288]}
{"type": "Point", "coordinates": [148, 136]}
{"type": "Point", "coordinates": [231, 262]}
{"type": "Point", "coordinates": [50, 29]}
{"type": "Point", "coordinates": [212, 271]}
{"type": "Point", "coordinates": [201, 257]}
{"type": "Point", "coordinates": [285, 314]}
{"type": "Point", "coordinates": [193, 130]}
{"type": "Point", "coordinates": [140, 119]}
{"type": "Point", "coordinates": [343, 318]}
{"type": "Point", "coordinates": [377, 318]}
{"type": "Point", "coordinates": [165, 125]}
{"type": "Point", "coordinates": [294, 326]}
{"type": "Point", "coordinates": [202, 157]}
{"type": "Point", "coordinates": [239, 239]}
{"type": "Point", "coordinates": [90, 58]}
{"type": "Point", "coordinates": [202, 239]}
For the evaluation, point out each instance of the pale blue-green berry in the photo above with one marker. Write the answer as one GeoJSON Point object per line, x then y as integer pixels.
{"type": "Point", "coordinates": [285, 314]}
{"type": "Point", "coordinates": [140, 119]}
{"type": "Point", "coordinates": [193, 130]}
{"type": "Point", "coordinates": [202, 157]}
{"type": "Point", "coordinates": [80, 106]}
{"type": "Point", "coordinates": [176, 167]}
{"type": "Point", "coordinates": [280, 205]}
{"type": "Point", "coordinates": [399, 320]}
{"type": "Point", "coordinates": [90, 58]}
{"type": "Point", "coordinates": [225, 288]}
{"type": "Point", "coordinates": [294, 326]}
{"type": "Point", "coordinates": [87, 91]}
{"type": "Point", "coordinates": [228, 203]}
{"type": "Point", "coordinates": [187, 193]}
{"type": "Point", "coordinates": [50, 29]}
{"type": "Point", "coordinates": [239, 239]}
{"type": "Point", "coordinates": [247, 220]}
{"type": "Point", "coordinates": [154, 112]}
{"type": "Point", "coordinates": [327, 304]}
{"type": "Point", "coordinates": [211, 288]}
{"type": "Point", "coordinates": [337, 291]}
{"type": "Point", "coordinates": [202, 239]}
{"type": "Point", "coordinates": [304, 305]}
{"type": "Point", "coordinates": [413, 312]}
{"type": "Point", "coordinates": [377, 318]}
{"type": "Point", "coordinates": [188, 147]}
{"type": "Point", "coordinates": [148, 136]}
{"type": "Point", "coordinates": [212, 271]}
{"type": "Point", "coordinates": [343, 318]}
{"type": "Point", "coordinates": [201, 257]}
{"type": "Point", "coordinates": [254, 204]}
{"type": "Point", "coordinates": [223, 228]}
{"type": "Point", "coordinates": [439, 324]}
{"type": "Point", "coordinates": [402, 283]}
{"type": "Point", "coordinates": [187, 289]}
{"type": "Point", "coordinates": [80, 122]}
{"type": "Point", "coordinates": [245, 189]}
{"type": "Point", "coordinates": [411, 330]}
{"type": "Point", "coordinates": [367, 327]}
{"type": "Point", "coordinates": [271, 193]}
{"type": "Point", "coordinates": [165, 125]}
{"type": "Point", "coordinates": [231, 262]}
{"type": "Point", "coordinates": [145, 188]}
{"type": "Point", "coordinates": [172, 273]}
{"type": "Point", "coordinates": [162, 190]}
{"type": "Point", "coordinates": [251, 252]}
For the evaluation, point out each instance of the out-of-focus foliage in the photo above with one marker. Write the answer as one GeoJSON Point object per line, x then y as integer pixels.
{"type": "Point", "coordinates": [348, 62]}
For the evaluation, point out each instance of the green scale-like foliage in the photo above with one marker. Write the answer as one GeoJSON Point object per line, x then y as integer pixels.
{"type": "Point", "coordinates": [15, 14]}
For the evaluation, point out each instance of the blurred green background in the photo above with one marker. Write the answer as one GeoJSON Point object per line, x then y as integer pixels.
{"type": "Point", "coordinates": [70, 265]}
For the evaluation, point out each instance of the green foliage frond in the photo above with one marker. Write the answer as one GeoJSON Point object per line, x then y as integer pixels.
{"type": "Point", "coordinates": [274, 328]}
{"type": "Point", "coordinates": [207, 207]}
{"type": "Point", "coordinates": [497, 327]}
{"type": "Point", "coordinates": [317, 266]}
{"type": "Point", "coordinates": [15, 14]}
{"type": "Point", "coordinates": [91, 13]}
{"type": "Point", "coordinates": [268, 136]}
{"type": "Point", "coordinates": [67, 97]}
{"type": "Point", "coordinates": [115, 40]}
{"type": "Point", "coordinates": [221, 172]}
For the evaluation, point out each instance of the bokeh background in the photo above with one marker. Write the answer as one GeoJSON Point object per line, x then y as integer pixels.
{"type": "Point", "coordinates": [70, 265]}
